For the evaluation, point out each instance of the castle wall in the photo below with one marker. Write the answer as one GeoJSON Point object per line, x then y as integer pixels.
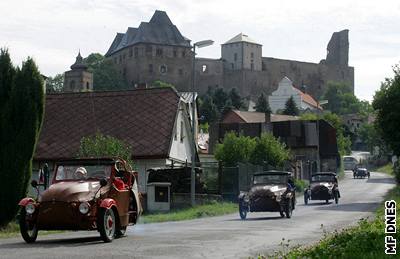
{"type": "Point", "coordinates": [209, 73]}
{"type": "Point", "coordinates": [146, 63]}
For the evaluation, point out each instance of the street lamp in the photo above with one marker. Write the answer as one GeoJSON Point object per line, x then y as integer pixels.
{"type": "Point", "coordinates": [199, 44]}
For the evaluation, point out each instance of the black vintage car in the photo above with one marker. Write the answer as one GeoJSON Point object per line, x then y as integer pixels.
{"type": "Point", "coordinates": [270, 191]}
{"type": "Point", "coordinates": [323, 186]}
{"type": "Point", "coordinates": [361, 173]}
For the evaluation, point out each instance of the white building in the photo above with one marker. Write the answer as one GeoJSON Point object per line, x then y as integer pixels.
{"type": "Point", "coordinates": [286, 90]}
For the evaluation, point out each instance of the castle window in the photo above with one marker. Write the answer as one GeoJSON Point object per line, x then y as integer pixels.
{"type": "Point", "coordinates": [72, 85]}
{"type": "Point", "coordinates": [130, 52]}
{"type": "Point", "coordinates": [120, 59]}
{"type": "Point", "coordinates": [252, 55]}
{"type": "Point", "coordinates": [235, 57]}
{"type": "Point", "coordinates": [232, 65]}
{"type": "Point", "coordinates": [124, 56]}
{"type": "Point", "coordinates": [159, 52]}
{"type": "Point", "coordinates": [150, 68]}
{"type": "Point", "coordinates": [263, 66]}
{"type": "Point", "coordinates": [124, 72]}
{"type": "Point", "coordinates": [136, 52]}
{"type": "Point", "coordinates": [204, 68]}
{"type": "Point", "coordinates": [163, 69]}
{"type": "Point", "coordinates": [115, 60]}
{"type": "Point", "coordinates": [149, 50]}
{"type": "Point", "coordinates": [252, 65]}
{"type": "Point", "coordinates": [183, 54]}
{"type": "Point", "coordinates": [180, 71]}
{"type": "Point", "coordinates": [175, 53]}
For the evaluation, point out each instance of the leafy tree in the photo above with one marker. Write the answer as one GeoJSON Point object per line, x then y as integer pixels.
{"type": "Point", "coordinates": [228, 107]}
{"type": "Point", "coordinates": [269, 150]}
{"type": "Point", "coordinates": [235, 99]}
{"type": "Point", "coordinates": [234, 149]}
{"type": "Point", "coordinates": [55, 84]}
{"type": "Point", "coordinates": [21, 115]}
{"type": "Point", "coordinates": [159, 83]}
{"type": "Point", "coordinates": [100, 145]}
{"type": "Point", "coordinates": [309, 116]}
{"type": "Point", "coordinates": [220, 97]}
{"type": "Point", "coordinates": [262, 104]}
{"type": "Point", "coordinates": [387, 106]}
{"type": "Point", "coordinates": [207, 109]}
{"type": "Point", "coordinates": [291, 107]}
{"type": "Point", "coordinates": [105, 74]}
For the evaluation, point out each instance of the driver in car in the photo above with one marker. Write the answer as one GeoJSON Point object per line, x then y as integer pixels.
{"type": "Point", "coordinates": [80, 173]}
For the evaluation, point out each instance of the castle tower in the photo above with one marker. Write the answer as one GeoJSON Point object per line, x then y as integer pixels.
{"type": "Point", "coordinates": [78, 79]}
{"type": "Point", "coordinates": [241, 53]}
{"type": "Point", "coordinates": [338, 49]}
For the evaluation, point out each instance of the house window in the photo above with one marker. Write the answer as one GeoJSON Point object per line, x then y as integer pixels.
{"type": "Point", "coordinates": [263, 67]}
{"type": "Point", "coordinates": [150, 68]}
{"type": "Point", "coordinates": [161, 194]}
{"type": "Point", "coordinates": [124, 56]}
{"type": "Point", "coordinates": [182, 134]}
{"type": "Point", "coordinates": [163, 69]}
{"type": "Point", "coordinates": [136, 52]}
{"type": "Point", "coordinates": [120, 59]}
{"type": "Point", "coordinates": [130, 52]}
{"type": "Point", "coordinates": [159, 52]}
{"type": "Point", "coordinates": [235, 57]}
{"type": "Point", "coordinates": [180, 71]}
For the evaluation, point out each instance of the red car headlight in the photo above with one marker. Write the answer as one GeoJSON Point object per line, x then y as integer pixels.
{"type": "Point", "coordinates": [30, 208]}
{"type": "Point", "coordinates": [84, 207]}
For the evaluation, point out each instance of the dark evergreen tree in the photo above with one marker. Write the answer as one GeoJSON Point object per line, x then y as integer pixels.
{"type": "Point", "coordinates": [208, 110]}
{"type": "Point", "coordinates": [262, 104]}
{"type": "Point", "coordinates": [220, 97]}
{"type": "Point", "coordinates": [235, 98]}
{"type": "Point", "coordinates": [21, 119]}
{"type": "Point", "coordinates": [228, 107]}
{"type": "Point", "coordinates": [291, 107]}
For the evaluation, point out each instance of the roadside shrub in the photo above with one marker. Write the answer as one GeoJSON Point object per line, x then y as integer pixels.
{"type": "Point", "coordinates": [300, 185]}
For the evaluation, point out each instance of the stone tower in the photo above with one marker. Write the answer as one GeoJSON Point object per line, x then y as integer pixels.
{"type": "Point", "coordinates": [78, 79]}
{"type": "Point", "coordinates": [338, 49]}
{"type": "Point", "coordinates": [242, 53]}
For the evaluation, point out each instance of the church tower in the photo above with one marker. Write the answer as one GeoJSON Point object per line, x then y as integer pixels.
{"type": "Point", "coordinates": [78, 79]}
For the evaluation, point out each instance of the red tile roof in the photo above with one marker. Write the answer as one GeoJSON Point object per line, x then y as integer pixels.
{"type": "Point", "coordinates": [143, 118]}
{"type": "Point", "coordinates": [308, 99]}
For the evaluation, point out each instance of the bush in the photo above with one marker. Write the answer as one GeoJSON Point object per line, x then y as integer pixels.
{"type": "Point", "coordinates": [300, 185]}
{"type": "Point", "coordinates": [269, 150]}
{"type": "Point", "coordinates": [234, 149]}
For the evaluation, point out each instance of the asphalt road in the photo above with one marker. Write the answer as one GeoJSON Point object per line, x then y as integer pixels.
{"type": "Point", "coordinates": [218, 237]}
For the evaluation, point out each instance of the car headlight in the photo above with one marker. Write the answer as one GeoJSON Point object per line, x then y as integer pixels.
{"type": "Point", "coordinates": [30, 208]}
{"type": "Point", "coordinates": [84, 207]}
{"type": "Point", "coordinates": [278, 198]}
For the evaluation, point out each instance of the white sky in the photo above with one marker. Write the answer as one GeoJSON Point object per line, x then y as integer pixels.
{"type": "Point", "coordinates": [52, 31]}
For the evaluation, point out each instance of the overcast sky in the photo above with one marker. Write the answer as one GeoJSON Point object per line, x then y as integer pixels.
{"type": "Point", "coordinates": [53, 31]}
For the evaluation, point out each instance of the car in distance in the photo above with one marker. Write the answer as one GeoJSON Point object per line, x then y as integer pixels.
{"type": "Point", "coordinates": [361, 172]}
{"type": "Point", "coordinates": [323, 186]}
{"type": "Point", "coordinates": [270, 191]}
{"type": "Point", "coordinates": [85, 194]}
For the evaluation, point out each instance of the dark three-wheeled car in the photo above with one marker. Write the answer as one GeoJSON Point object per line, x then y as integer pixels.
{"type": "Point", "coordinates": [270, 191]}
{"type": "Point", "coordinates": [85, 194]}
{"type": "Point", "coordinates": [361, 172]}
{"type": "Point", "coordinates": [323, 186]}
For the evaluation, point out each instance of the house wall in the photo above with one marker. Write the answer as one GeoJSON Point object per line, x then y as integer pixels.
{"type": "Point", "coordinates": [142, 165]}
{"type": "Point", "coordinates": [278, 99]}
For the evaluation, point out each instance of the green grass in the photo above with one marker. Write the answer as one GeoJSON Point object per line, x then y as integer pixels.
{"type": "Point", "coordinates": [387, 169]}
{"type": "Point", "coordinates": [366, 240]}
{"type": "Point", "coordinates": [200, 211]}
{"type": "Point", "coordinates": [12, 230]}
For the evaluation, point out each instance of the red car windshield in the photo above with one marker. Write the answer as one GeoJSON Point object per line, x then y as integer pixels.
{"type": "Point", "coordinates": [79, 172]}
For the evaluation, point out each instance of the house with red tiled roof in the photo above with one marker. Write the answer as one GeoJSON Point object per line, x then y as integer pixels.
{"type": "Point", "coordinates": [285, 90]}
{"type": "Point", "coordinates": [155, 123]}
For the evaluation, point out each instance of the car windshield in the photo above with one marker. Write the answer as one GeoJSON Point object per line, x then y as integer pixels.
{"type": "Point", "coordinates": [362, 169]}
{"type": "Point", "coordinates": [82, 172]}
{"type": "Point", "coordinates": [270, 179]}
{"type": "Point", "coordinates": [322, 178]}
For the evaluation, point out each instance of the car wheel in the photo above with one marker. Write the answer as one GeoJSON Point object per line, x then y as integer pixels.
{"type": "Point", "coordinates": [282, 213]}
{"type": "Point", "coordinates": [28, 229]}
{"type": "Point", "coordinates": [106, 224]}
{"type": "Point", "coordinates": [121, 231]}
{"type": "Point", "coordinates": [289, 209]}
{"type": "Point", "coordinates": [305, 198]}
{"type": "Point", "coordinates": [242, 211]}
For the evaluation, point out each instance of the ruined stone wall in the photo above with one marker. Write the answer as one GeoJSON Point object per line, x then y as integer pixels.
{"type": "Point", "coordinates": [209, 73]}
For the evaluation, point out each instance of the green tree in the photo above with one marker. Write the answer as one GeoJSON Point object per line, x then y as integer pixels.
{"type": "Point", "coordinates": [291, 107]}
{"type": "Point", "coordinates": [100, 145]}
{"type": "Point", "coordinates": [55, 84]}
{"type": "Point", "coordinates": [207, 109]}
{"type": "Point", "coordinates": [159, 83]}
{"type": "Point", "coordinates": [21, 115]}
{"type": "Point", "coordinates": [234, 149]}
{"type": "Point", "coordinates": [105, 74]}
{"type": "Point", "coordinates": [262, 104]}
{"type": "Point", "coordinates": [341, 100]}
{"type": "Point", "coordinates": [269, 150]}
{"type": "Point", "coordinates": [387, 106]}
{"type": "Point", "coordinates": [220, 98]}
{"type": "Point", "coordinates": [235, 99]}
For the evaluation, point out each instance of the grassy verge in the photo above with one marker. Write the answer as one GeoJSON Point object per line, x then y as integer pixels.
{"type": "Point", "coordinates": [387, 169]}
{"type": "Point", "coordinates": [12, 230]}
{"type": "Point", "coordinates": [200, 211]}
{"type": "Point", "coordinates": [366, 240]}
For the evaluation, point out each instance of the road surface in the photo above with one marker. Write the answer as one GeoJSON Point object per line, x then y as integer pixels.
{"type": "Point", "coordinates": [217, 237]}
